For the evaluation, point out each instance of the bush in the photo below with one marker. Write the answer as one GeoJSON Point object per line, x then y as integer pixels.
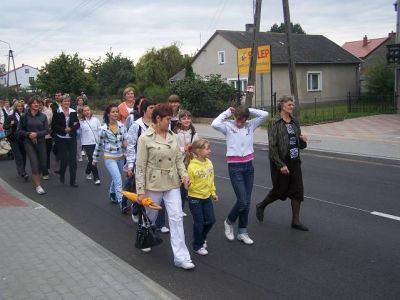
{"type": "Point", "coordinates": [156, 92]}
{"type": "Point", "coordinates": [204, 96]}
{"type": "Point", "coordinates": [380, 78]}
{"type": "Point", "coordinates": [100, 104]}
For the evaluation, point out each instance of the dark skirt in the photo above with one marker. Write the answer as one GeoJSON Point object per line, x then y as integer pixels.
{"type": "Point", "coordinates": [36, 154]}
{"type": "Point", "coordinates": [287, 186]}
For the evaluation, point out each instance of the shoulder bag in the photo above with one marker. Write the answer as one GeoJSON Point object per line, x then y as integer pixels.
{"type": "Point", "coordinates": [146, 235]}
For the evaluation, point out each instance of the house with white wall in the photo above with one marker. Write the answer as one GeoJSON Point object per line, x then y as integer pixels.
{"type": "Point", "coordinates": [25, 74]}
{"type": "Point", "coordinates": [324, 69]}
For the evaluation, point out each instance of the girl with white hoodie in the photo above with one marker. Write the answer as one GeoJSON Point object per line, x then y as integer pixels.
{"type": "Point", "coordinates": [239, 156]}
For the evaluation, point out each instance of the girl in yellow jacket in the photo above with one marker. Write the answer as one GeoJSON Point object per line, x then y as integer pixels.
{"type": "Point", "coordinates": [201, 194]}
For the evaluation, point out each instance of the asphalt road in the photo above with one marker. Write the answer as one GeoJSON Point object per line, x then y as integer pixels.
{"type": "Point", "coordinates": [349, 252]}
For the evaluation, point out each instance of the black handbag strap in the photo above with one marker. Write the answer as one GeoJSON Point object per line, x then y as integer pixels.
{"type": "Point", "coordinates": [144, 219]}
{"type": "Point", "coordinates": [95, 136]}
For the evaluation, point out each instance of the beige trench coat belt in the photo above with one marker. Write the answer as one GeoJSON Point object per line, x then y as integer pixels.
{"type": "Point", "coordinates": [171, 171]}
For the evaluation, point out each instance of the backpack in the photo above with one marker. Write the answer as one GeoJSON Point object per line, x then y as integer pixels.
{"type": "Point", "coordinates": [138, 135]}
{"type": "Point", "coordinates": [187, 156]}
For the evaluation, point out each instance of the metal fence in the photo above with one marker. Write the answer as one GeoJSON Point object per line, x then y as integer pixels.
{"type": "Point", "coordinates": [367, 103]}
{"type": "Point", "coordinates": [318, 109]}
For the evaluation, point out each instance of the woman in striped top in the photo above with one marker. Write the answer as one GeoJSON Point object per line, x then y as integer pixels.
{"type": "Point", "coordinates": [113, 141]}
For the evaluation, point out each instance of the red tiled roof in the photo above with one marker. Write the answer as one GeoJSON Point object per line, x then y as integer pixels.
{"type": "Point", "coordinates": [358, 49]}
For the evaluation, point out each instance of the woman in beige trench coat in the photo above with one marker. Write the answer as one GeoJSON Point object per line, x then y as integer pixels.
{"type": "Point", "coordinates": [159, 173]}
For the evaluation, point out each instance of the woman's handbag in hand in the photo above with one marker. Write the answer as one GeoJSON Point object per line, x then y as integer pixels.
{"type": "Point", "coordinates": [146, 235]}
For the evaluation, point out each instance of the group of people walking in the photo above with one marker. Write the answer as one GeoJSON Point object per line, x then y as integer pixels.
{"type": "Point", "coordinates": [45, 126]}
{"type": "Point", "coordinates": [158, 148]}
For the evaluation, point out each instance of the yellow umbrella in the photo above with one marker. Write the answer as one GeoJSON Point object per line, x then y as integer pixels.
{"type": "Point", "coordinates": [145, 202]}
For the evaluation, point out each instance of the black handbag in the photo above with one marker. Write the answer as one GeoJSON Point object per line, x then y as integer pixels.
{"type": "Point", "coordinates": [146, 235]}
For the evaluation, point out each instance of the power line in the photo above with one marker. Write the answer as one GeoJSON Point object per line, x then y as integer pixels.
{"type": "Point", "coordinates": [77, 13]}
{"type": "Point", "coordinates": [67, 14]}
{"type": "Point", "coordinates": [217, 15]}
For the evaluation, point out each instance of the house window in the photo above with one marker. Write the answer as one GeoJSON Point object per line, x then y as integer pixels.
{"type": "Point", "coordinates": [314, 81]}
{"type": "Point", "coordinates": [31, 79]}
{"type": "Point", "coordinates": [26, 71]}
{"type": "Point", "coordinates": [243, 84]}
{"type": "Point", "coordinates": [221, 57]}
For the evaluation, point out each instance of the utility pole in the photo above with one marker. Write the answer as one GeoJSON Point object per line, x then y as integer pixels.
{"type": "Point", "coordinates": [10, 56]}
{"type": "Point", "coordinates": [292, 66]}
{"type": "Point", "coordinates": [397, 68]}
{"type": "Point", "coordinates": [254, 52]}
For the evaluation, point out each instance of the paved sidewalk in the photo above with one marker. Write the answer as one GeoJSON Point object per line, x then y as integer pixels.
{"type": "Point", "coordinates": [375, 136]}
{"type": "Point", "coordinates": [43, 257]}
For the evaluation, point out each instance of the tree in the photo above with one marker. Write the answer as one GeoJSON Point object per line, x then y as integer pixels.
{"type": "Point", "coordinates": [189, 73]}
{"type": "Point", "coordinates": [380, 78]}
{"type": "Point", "coordinates": [151, 70]}
{"type": "Point", "coordinates": [155, 67]}
{"type": "Point", "coordinates": [112, 74]}
{"type": "Point", "coordinates": [296, 28]}
{"type": "Point", "coordinates": [66, 73]}
{"type": "Point", "coordinates": [204, 96]}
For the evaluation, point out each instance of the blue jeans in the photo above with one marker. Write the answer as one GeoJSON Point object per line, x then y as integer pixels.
{"type": "Point", "coordinates": [114, 167]}
{"type": "Point", "coordinates": [184, 196]}
{"type": "Point", "coordinates": [130, 186]}
{"type": "Point", "coordinates": [242, 178]}
{"type": "Point", "coordinates": [160, 221]}
{"type": "Point", "coordinates": [203, 219]}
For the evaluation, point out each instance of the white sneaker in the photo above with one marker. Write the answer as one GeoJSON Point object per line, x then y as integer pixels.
{"type": "Point", "coordinates": [135, 218]}
{"type": "Point", "coordinates": [244, 237]}
{"type": "Point", "coordinates": [97, 182]}
{"type": "Point", "coordinates": [83, 153]}
{"type": "Point", "coordinates": [146, 250]}
{"type": "Point", "coordinates": [201, 251]}
{"type": "Point", "coordinates": [186, 265]}
{"type": "Point", "coordinates": [40, 190]}
{"type": "Point", "coordinates": [89, 177]}
{"type": "Point", "coordinates": [164, 229]}
{"type": "Point", "coordinates": [184, 214]}
{"type": "Point", "coordinates": [229, 231]}
{"type": "Point", "coordinates": [205, 245]}
{"type": "Point", "coordinates": [45, 177]}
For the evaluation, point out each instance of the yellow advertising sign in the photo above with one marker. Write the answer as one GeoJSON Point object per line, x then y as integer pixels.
{"type": "Point", "coordinates": [263, 60]}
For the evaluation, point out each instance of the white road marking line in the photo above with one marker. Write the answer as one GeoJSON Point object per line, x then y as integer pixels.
{"type": "Point", "coordinates": [338, 204]}
{"type": "Point", "coordinates": [377, 213]}
{"type": "Point", "coordinates": [312, 198]}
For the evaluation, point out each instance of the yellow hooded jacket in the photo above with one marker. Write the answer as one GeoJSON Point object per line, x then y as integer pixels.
{"type": "Point", "coordinates": [201, 175]}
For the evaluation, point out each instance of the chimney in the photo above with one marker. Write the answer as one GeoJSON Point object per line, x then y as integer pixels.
{"type": "Point", "coordinates": [249, 28]}
{"type": "Point", "coordinates": [365, 41]}
{"type": "Point", "coordinates": [23, 65]}
{"type": "Point", "coordinates": [392, 34]}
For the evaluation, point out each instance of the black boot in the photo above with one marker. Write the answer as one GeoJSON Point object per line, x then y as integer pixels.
{"type": "Point", "coordinates": [295, 216]}
{"type": "Point", "coordinates": [260, 208]}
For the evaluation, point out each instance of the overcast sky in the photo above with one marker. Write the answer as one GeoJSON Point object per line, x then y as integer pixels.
{"type": "Point", "coordinates": [39, 30]}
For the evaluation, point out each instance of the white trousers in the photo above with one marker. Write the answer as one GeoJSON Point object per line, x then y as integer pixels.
{"type": "Point", "coordinates": [173, 205]}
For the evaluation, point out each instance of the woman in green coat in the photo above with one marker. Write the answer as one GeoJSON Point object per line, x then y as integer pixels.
{"type": "Point", "coordinates": [285, 141]}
